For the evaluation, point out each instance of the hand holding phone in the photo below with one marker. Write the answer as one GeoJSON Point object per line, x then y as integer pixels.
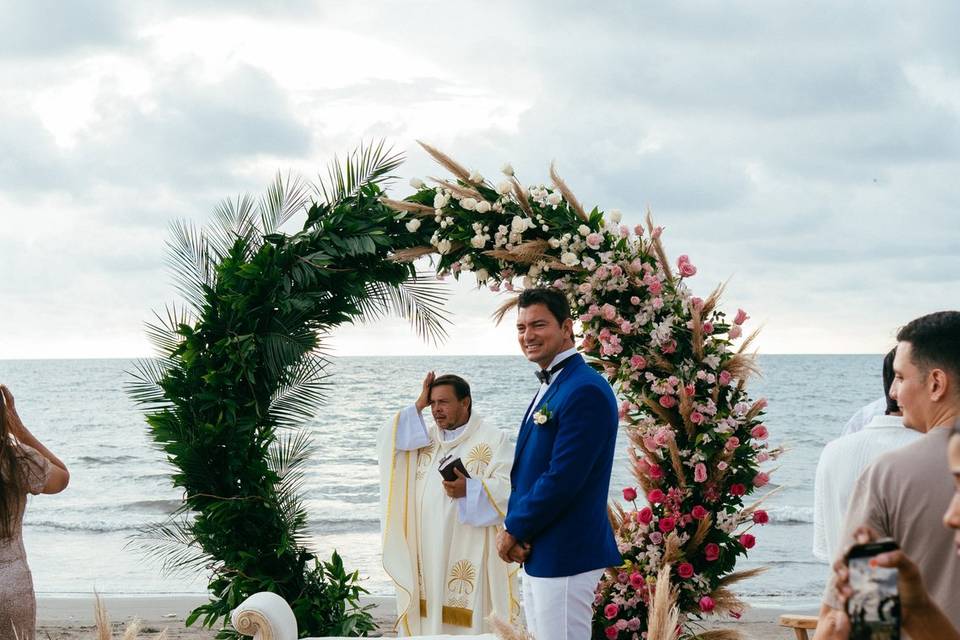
{"type": "Point", "coordinates": [873, 605]}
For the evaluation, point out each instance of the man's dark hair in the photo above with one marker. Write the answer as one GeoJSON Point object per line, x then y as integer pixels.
{"type": "Point", "coordinates": [935, 343]}
{"type": "Point", "coordinates": [460, 386]}
{"type": "Point", "coordinates": [552, 299]}
{"type": "Point", "coordinates": [888, 375]}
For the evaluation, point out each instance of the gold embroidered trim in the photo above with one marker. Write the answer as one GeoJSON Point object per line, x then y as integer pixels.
{"type": "Point", "coordinates": [490, 498]}
{"type": "Point", "coordinates": [458, 616]}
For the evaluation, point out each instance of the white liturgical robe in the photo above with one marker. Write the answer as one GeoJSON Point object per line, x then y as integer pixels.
{"type": "Point", "coordinates": [441, 552]}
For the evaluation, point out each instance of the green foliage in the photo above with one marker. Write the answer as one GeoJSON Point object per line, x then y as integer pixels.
{"type": "Point", "coordinates": [246, 362]}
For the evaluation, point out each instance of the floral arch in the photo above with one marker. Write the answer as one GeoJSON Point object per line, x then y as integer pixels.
{"type": "Point", "coordinates": [240, 368]}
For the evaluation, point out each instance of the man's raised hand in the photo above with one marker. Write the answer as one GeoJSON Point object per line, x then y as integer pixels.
{"type": "Point", "coordinates": [424, 400]}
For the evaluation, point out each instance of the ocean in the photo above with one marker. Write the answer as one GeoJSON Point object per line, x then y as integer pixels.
{"type": "Point", "coordinates": [77, 541]}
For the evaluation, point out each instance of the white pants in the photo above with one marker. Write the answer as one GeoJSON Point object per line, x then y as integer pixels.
{"type": "Point", "coordinates": [560, 608]}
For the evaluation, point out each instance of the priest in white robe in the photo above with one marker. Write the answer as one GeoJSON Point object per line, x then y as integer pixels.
{"type": "Point", "coordinates": [439, 537]}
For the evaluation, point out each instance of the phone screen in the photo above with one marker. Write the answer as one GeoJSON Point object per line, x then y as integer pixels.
{"type": "Point", "coordinates": [874, 608]}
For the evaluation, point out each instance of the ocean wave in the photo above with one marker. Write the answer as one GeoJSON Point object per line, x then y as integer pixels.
{"type": "Point", "coordinates": [83, 527]}
{"type": "Point", "coordinates": [791, 515]}
{"type": "Point", "coordinates": [358, 525]}
{"type": "Point", "coordinates": [105, 460]}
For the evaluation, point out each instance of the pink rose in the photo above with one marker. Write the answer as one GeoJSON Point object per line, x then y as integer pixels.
{"type": "Point", "coordinates": [699, 472]}
{"type": "Point", "coordinates": [699, 512]}
{"type": "Point", "coordinates": [638, 362]}
{"type": "Point", "coordinates": [655, 288]}
{"type": "Point", "coordinates": [707, 604]}
{"type": "Point", "coordinates": [761, 479]}
{"type": "Point", "coordinates": [638, 229]}
{"type": "Point", "coordinates": [611, 611]}
{"type": "Point", "coordinates": [696, 417]}
{"type": "Point", "coordinates": [747, 541]}
{"type": "Point", "coordinates": [663, 436]}
{"type": "Point", "coordinates": [759, 432]}
{"type": "Point", "coordinates": [685, 267]}
{"type": "Point", "coordinates": [616, 271]}
{"type": "Point", "coordinates": [735, 332]}
{"type": "Point", "coordinates": [696, 303]}
{"type": "Point", "coordinates": [611, 632]}
{"type": "Point", "coordinates": [586, 317]}
{"type": "Point", "coordinates": [737, 489]}
{"type": "Point", "coordinates": [761, 517]}
{"type": "Point", "coordinates": [669, 346]}
{"type": "Point", "coordinates": [722, 466]}
{"type": "Point", "coordinates": [666, 524]}
{"type": "Point", "coordinates": [636, 580]}
{"type": "Point", "coordinates": [763, 456]}
{"type": "Point", "coordinates": [645, 515]}
{"type": "Point", "coordinates": [656, 232]}
{"type": "Point", "coordinates": [655, 472]}
{"type": "Point", "coordinates": [585, 288]}
{"type": "Point", "coordinates": [761, 403]}
{"type": "Point", "coordinates": [594, 240]}
{"type": "Point", "coordinates": [732, 443]}
{"type": "Point", "coordinates": [707, 328]}
{"type": "Point", "coordinates": [741, 317]}
{"type": "Point", "coordinates": [668, 401]}
{"type": "Point", "coordinates": [690, 389]}
{"type": "Point", "coordinates": [711, 552]}
{"type": "Point", "coordinates": [656, 496]}
{"type": "Point", "coordinates": [636, 266]}
{"type": "Point", "coordinates": [725, 378]}
{"type": "Point", "coordinates": [634, 300]}
{"type": "Point", "coordinates": [685, 570]}
{"type": "Point", "coordinates": [625, 326]}
{"type": "Point", "coordinates": [656, 537]}
{"type": "Point", "coordinates": [629, 494]}
{"type": "Point", "coordinates": [602, 273]}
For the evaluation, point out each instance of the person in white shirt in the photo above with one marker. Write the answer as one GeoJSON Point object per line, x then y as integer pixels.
{"type": "Point", "coordinates": [439, 536]}
{"type": "Point", "coordinates": [864, 415]}
{"type": "Point", "coordinates": [842, 462]}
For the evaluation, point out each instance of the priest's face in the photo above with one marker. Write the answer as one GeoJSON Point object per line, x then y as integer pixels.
{"type": "Point", "coordinates": [541, 335]}
{"type": "Point", "coordinates": [449, 412]}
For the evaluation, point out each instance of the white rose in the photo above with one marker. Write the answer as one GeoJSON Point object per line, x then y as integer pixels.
{"type": "Point", "coordinates": [616, 216]}
{"type": "Point", "coordinates": [554, 198]}
{"type": "Point", "coordinates": [504, 187]}
{"type": "Point", "coordinates": [439, 201]}
{"type": "Point", "coordinates": [570, 259]}
{"type": "Point", "coordinates": [539, 418]}
{"type": "Point", "coordinates": [416, 183]}
{"type": "Point", "coordinates": [583, 230]}
{"type": "Point", "coordinates": [475, 177]}
{"type": "Point", "coordinates": [518, 224]}
{"type": "Point", "coordinates": [469, 204]}
{"type": "Point", "coordinates": [553, 242]}
{"type": "Point", "coordinates": [478, 242]}
{"type": "Point", "coordinates": [444, 246]}
{"type": "Point", "coordinates": [483, 206]}
{"type": "Point", "coordinates": [413, 225]}
{"type": "Point", "coordinates": [507, 169]}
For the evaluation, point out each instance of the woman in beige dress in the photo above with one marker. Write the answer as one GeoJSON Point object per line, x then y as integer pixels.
{"type": "Point", "coordinates": [26, 466]}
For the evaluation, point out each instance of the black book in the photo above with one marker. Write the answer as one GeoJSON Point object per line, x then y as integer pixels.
{"type": "Point", "coordinates": [447, 466]}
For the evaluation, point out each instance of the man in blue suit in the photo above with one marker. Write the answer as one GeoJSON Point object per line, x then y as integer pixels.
{"type": "Point", "coordinates": [557, 522]}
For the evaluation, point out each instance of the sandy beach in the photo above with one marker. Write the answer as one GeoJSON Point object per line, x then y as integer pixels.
{"type": "Point", "coordinates": [69, 618]}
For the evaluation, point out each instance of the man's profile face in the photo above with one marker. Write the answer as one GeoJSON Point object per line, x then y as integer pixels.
{"type": "Point", "coordinates": [952, 517]}
{"type": "Point", "coordinates": [541, 337]}
{"type": "Point", "coordinates": [909, 389]}
{"type": "Point", "coordinates": [448, 412]}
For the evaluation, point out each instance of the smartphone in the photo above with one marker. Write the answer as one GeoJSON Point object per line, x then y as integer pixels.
{"type": "Point", "coordinates": [874, 607]}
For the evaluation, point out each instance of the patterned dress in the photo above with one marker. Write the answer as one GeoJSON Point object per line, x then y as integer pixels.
{"type": "Point", "coordinates": [18, 606]}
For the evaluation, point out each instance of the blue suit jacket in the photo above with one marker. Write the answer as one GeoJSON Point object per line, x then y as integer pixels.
{"type": "Point", "coordinates": [561, 477]}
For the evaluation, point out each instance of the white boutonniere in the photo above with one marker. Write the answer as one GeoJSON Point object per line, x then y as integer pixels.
{"type": "Point", "coordinates": [542, 416]}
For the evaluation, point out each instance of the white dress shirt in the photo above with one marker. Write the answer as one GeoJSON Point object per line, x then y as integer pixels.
{"type": "Point", "coordinates": [560, 357]}
{"type": "Point", "coordinates": [475, 508]}
{"type": "Point", "coordinates": [864, 415]}
{"type": "Point", "coordinates": [841, 463]}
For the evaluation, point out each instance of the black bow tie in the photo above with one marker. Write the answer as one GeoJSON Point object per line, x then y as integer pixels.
{"type": "Point", "coordinates": [544, 376]}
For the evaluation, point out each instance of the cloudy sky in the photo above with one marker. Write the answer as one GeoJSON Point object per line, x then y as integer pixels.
{"type": "Point", "coordinates": [808, 151]}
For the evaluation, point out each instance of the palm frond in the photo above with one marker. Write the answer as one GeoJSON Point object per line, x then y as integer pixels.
{"type": "Point", "coordinates": [296, 400]}
{"type": "Point", "coordinates": [370, 164]}
{"type": "Point", "coordinates": [164, 334]}
{"type": "Point", "coordinates": [234, 220]}
{"type": "Point", "coordinates": [421, 300]}
{"type": "Point", "coordinates": [189, 258]}
{"type": "Point", "coordinates": [145, 380]}
{"type": "Point", "coordinates": [284, 198]}
{"type": "Point", "coordinates": [282, 350]}
{"type": "Point", "coordinates": [173, 544]}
